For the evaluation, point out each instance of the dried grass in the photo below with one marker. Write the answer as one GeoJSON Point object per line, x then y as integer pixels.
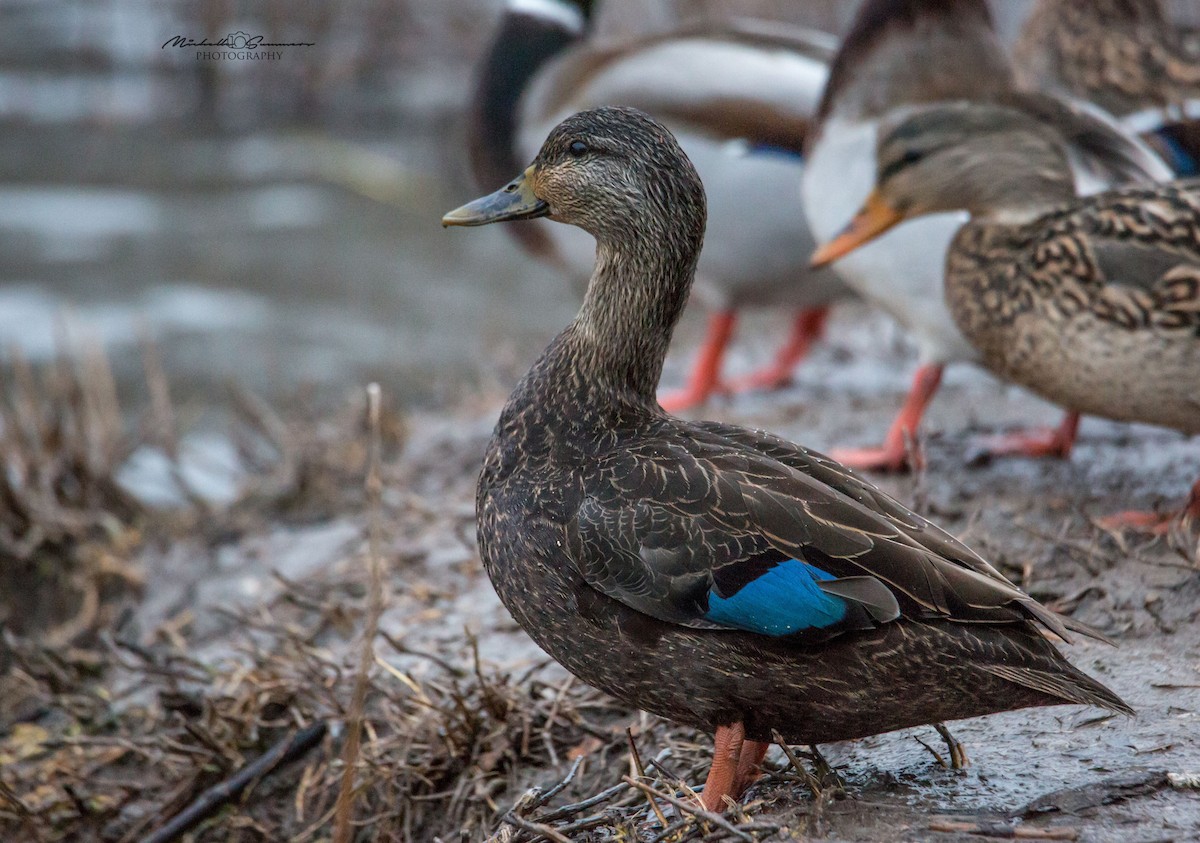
{"type": "Point", "coordinates": [106, 735]}
{"type": "Point", "coordinates": [443, 743]}
{"type": "Point", "coordinates": [66, 525]}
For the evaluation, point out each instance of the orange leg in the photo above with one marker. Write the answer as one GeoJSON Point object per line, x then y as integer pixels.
{"type": "Point", "coordinates": [722, 776]}
{"type": "Point", "coordinates": [1051, 442]}
{"type": "Point", "coordinates": [808, 327]}
{"type": "Point", "coordinates": [749, 768]}
{"type": "Point", "coordinates": [706, 374]}
{"type": "Point", "coordinates": [737, 764]}
{"type": "Point", "coordinates": [1153, 522]}
{"type": "Point", "coordinates": [894, 453]}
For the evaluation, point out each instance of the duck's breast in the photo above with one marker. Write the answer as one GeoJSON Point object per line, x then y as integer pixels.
{"type": "Point", "coordinates": [1106, 328]}
{"type": "Point", "coordinates": [1096, 367]}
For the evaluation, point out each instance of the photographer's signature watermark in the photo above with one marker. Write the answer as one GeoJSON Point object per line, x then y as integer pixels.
{"type": "Point", "coordinates": [238, 46]}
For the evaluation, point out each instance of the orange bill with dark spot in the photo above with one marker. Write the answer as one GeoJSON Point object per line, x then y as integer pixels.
{"type": "Point", "coordinates": [875, 217]}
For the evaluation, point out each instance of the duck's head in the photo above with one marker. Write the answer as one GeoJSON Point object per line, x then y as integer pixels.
{"type": "Point", "coordinates": [913, 51]}
{"type": "Point", "coordinates": [621, 176]}
{"type": "Point", "coordinates": [615, 172]}
{"type": "Point", "coordinates": [993, 162]}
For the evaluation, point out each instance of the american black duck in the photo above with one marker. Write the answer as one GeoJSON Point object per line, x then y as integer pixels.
{"type": "Point", "coordinates": [719, 576]}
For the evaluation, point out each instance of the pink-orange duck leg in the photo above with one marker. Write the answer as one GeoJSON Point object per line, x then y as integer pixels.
{"type": "Point", "coordinates": [737, 764]}
{"type": "Point", "coordinates": [705, 380]}
{"type": "Point", "coordinates": [894, 454]}
{"type": "Point", "coordinates": [807, 328]}
{"type": "Point", "coordinates": [706, 373]}
{"type": "Point", "coordinates": [1046, 442]}
{"type": "Point", "coordinates": [1156, 523]}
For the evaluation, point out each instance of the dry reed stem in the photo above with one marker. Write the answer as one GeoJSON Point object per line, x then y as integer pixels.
{"type": "Point", "coordinates": [354, 719]}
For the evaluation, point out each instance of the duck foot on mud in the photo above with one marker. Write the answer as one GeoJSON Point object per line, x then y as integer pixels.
{"type": "Point", "coordinates": [1053, 442]}
{"type": "Point", "coordinates": [1155, 523]}
{"type": "Point", "coordinates": [899, 451]}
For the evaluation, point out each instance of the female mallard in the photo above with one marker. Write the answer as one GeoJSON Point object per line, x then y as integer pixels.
{"type": "Point", "coordinates": [1125, 56]}
{"type": "Point", "coordinates": [740, 100]}
{"type": "Point", "coordinates": [715, 575]}
{"type": "Point", "coordinates": [1093, 303]}
{"type": "Point", "coordinates": [900, 53]}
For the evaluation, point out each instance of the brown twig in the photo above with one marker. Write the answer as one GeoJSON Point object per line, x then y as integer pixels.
{"type": "Point", "coordinates": [287, 750]}
{"type": "Point", "coordinates": [937, 756]}
{"type": "Point", "coordinates": [1004, 831]}
{"type": "Point", "coordinates": [815, 785]}
{"type": "Point", "coordinates": [354, 720]}
{"type": "Point", "coordinates": [535, 828]}
{"type": "Point", "coordinates": [579, 807]}
{"type": "Point", "coordinates": [690, 808]}
{"type": "Point", "coordinates": [535, 798]}
{"type": "Point", "coordinates": [634, 755]}
{"type": "Point", "coordinates": [635, 759]}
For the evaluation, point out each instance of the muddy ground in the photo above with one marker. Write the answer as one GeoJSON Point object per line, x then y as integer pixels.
{"type": "Point", "coordinates": [244, 626]}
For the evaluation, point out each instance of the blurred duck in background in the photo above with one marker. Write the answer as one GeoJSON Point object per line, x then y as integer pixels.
{"type": "Point", "coordinates": [1125, 56]}
{"type": "Point", "coordinates": [740, 101]}
{"type": "Point", "coordinates": [900, 53]}
{"type": "Point", "coordinates": [1093, 303]}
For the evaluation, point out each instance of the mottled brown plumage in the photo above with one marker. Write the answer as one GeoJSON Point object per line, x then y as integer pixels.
{"type": "Point", "coordinates": [1095, 306]}
{"type": "Point", "coordinates": [1123, 55]}
{"type": "Point", "coordinates": [902, 53]}
{"type": "Point", "coordinates": [612, 530]}
{"type": "Point", "coordinates": [1092, 302]}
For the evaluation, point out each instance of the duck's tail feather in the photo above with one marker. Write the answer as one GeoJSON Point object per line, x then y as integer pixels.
{"type": "Point", "coordinates": [1066, 683]}
{"type": "Point", "coordinates": [1059, 624]}
{"type": "Point", "coordinates": [1084, 629]}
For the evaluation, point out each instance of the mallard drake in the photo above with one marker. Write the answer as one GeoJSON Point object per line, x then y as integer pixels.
{"type": "Point", "coordinates": [1093, 303]}
{"type": "Point", "coordinates": [903, 52]}
{"type": "Point", "coordinates": [740, 100]}
{"type": "Point", "coordinates": [1125, 56]}
{"type": "Point", "coordinates": [714, 575]}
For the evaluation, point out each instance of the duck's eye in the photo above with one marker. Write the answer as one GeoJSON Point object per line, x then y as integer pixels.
{"type": "Point", "coordinates": [578, 149]}
{"type": "Point", "coordinates": [910, 157]}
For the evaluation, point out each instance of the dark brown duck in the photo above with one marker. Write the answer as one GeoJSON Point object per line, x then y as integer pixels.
{"type": "Point", "coordinates": [719, 576]}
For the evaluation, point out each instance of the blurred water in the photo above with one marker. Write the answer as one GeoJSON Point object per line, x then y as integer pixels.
{"type": "Point", "coordinates": [274, 252]}
{"type": "Point", "coordinates": [272, 277]}
{"type": "Point", "coordinates": [250, 257]}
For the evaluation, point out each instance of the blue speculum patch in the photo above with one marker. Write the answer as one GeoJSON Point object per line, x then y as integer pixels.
{"type": "Point", "coordinates": [1179, 158]}
{"type": "Point", "coordinates": [783, 600]}
{"type": "Point", "coordinates": [779, 151]}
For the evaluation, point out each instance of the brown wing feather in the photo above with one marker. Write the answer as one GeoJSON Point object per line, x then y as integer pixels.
{"type": "Point", "coordinates": [744, 486]}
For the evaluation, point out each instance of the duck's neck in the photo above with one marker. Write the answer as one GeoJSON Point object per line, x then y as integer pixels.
{"type": "Point", "coordinates": [1017, 183]}
{"type": "Point", "coordinates": [618, 342]}
{"type": "Point", "coordinates": [530, 34]}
